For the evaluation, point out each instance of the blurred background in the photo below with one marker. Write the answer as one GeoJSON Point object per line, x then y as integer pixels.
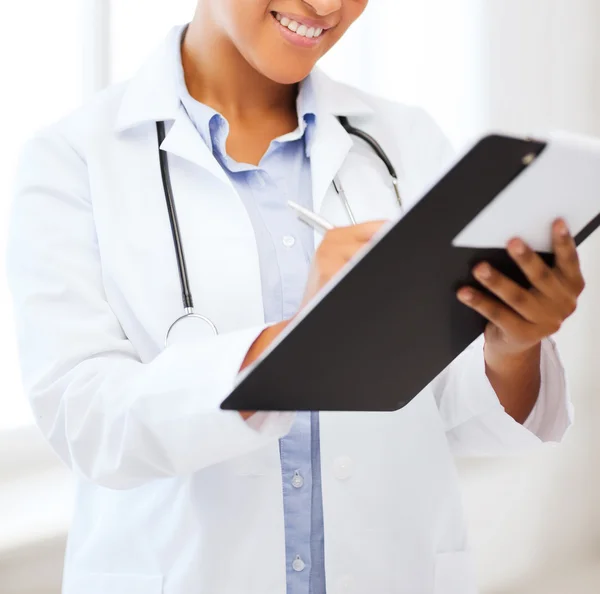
{"type": "Point", "coordinates": [524, 66]}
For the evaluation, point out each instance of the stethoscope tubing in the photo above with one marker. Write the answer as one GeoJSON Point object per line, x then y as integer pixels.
{"type": "Point", "coordinates": [378, 149]}
{"type": "Point", "coordinates": [188, 302]}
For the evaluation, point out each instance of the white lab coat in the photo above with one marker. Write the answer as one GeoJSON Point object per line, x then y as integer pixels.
{"type": "Point", "coordinates": [175, 496]}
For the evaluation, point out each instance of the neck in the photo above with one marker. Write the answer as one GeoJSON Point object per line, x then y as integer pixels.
{"type": "Point", "coordinates": [217, 74]}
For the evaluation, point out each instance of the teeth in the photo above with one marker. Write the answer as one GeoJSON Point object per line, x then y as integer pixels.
{"type": "Point", "coordinates": [302, 30]}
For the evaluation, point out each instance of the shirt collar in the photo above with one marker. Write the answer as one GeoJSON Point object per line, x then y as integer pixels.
{"type": "Point", "coordinates": [307, 112]}
{"type": "Point", "coordinates": [208, 121]}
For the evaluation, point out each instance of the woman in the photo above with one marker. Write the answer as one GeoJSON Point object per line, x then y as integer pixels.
{"type": "Point", "coordinates": [173, 494]}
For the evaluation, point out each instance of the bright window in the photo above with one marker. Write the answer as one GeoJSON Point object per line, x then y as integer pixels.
{"type": "Point", "coordinates": [138, 26]}
{"type": "Point", "coordinates": [41, 81]}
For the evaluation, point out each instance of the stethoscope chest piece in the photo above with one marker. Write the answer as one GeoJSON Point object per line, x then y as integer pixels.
{"type": "Point", "coordinates": [190, 328]}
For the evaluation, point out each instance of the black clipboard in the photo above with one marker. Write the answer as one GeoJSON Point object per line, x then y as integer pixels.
{"type": "Point", "coordinates": [375, 341]}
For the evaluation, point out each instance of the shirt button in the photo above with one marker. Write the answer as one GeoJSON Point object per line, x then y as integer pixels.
{"type": "Point", "coordinates": [297, 481]}
{"type": "Point", "coordinates": [342, 467]}
{"type": "Point", "coordinates": [260, 179]}
{"type": "Point", "coordinates": [298, 564]}
{"type": "Point", "coordinates": [289, 241]}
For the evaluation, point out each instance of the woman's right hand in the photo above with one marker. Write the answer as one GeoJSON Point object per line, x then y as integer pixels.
{"type": "Point", "coordinates": [338, 247]}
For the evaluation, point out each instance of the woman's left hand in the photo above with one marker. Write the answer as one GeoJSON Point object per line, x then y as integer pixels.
{"type": "Point", "coordinates": [520, 319]}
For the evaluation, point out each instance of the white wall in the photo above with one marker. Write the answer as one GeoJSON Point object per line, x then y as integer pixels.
{"type": "Point", "coordinates": [523, 66]}
{"type": "Point", "coordinates": [543, 72]}
{"type": "Point", "coordinates": [41, 81]}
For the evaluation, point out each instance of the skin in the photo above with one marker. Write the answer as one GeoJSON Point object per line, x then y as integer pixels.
{"type": "Point", "coordinates": [237, 61]}
{"type": "Point", "coordinates": [519, 320]}
{"type": "Point", "coordinates": [242, 37]}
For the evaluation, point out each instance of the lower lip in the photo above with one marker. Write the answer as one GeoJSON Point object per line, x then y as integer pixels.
{"type": "Point", "coordinates": [295, 39]}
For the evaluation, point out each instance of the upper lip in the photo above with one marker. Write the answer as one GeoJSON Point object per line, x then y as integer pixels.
{"type": "Point", "coordinates": [302, 20]}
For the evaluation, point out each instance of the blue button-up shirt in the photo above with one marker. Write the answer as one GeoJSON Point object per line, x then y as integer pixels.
{"type": "Point", "coordinates": [285, 248]}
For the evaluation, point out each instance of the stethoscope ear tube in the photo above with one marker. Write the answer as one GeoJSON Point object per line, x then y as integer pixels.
{"type": "Point", "coordinates": [378, 151]}
{"type": "Point", "coordinates": [188, 302]}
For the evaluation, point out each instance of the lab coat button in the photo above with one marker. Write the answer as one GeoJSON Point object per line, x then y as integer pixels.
{"type": "Point", "coordinates": [289, 241]}
{"type": "Point", "coordinates": [342, 467]}
{"type": "Point", "coordinates": [297, 481]}
{"type": "Point", "coordinates": [298, 564]}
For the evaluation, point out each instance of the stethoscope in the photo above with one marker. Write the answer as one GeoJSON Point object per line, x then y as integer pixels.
{"type": "Point", "coordinates": [188, 302]}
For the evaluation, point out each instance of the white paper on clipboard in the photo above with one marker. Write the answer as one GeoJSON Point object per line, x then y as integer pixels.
{"type": "Point", "coordinates": [564, 181]}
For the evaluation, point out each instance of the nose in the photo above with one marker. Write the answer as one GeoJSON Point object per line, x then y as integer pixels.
{"type": "Point", "coordinates": [324, 7]}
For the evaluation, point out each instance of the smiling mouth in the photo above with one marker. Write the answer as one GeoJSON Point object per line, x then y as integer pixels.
{"type": "Point", "coordinates": [298, 28]}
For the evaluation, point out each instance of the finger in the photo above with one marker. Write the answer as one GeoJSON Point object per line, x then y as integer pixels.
{"type": "Point", "coordinates": [511, 323]}
{"type": "Point", "coordinates": [340, 254]}
{"type": "Point", "coordinates": [344, 243]}
{"type": "Point", "coordinates": [538, 273]}
{"type": "Point", "coordinates": [350, 250]}
{"type": "Point", "coordinates": [364, 231]}
{"type": "Point", "coordinates": [516, 297]}
{"type": "Point", "coordinates": [567, 258]}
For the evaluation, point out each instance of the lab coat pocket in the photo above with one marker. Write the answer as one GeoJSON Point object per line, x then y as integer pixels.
{"type": "Point", "coordinates": [113, 583]}
{"type": "Point", "coordinates": [455, 573]}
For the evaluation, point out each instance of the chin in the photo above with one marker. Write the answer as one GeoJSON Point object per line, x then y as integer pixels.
{"type": "Point", "coordinates": [286, 74]}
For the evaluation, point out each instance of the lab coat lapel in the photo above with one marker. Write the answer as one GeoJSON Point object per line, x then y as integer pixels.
{"type": "Point", "coordinates": [329, 148]}
{"type": "Point", "coordinates": [331, 144]}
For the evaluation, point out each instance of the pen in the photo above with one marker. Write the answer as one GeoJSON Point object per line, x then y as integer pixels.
{"type": "Point", "coordinates": [312, 219]}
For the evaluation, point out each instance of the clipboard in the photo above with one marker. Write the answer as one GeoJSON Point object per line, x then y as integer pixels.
{"type": "Point", "coordinates": [393, 323]}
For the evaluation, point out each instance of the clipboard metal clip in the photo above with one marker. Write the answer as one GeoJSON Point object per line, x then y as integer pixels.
{"type": "Point", "coordinates": [529, 158]}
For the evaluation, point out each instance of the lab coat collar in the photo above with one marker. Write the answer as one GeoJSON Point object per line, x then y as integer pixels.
{"type": "Point", "coordinates": [336, 99]}
{"type": "Point", "coordinates": [151, 95]}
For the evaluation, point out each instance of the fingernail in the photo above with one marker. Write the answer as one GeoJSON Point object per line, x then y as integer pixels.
{"type": "Point", "coordinates": [466, 295]}
{"type": "Point", "coordinates": [562, 229]}
{"type": "Point", "coordinates": [518, 247]}
{"type": "Point", "coordinates": [483, 271]}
